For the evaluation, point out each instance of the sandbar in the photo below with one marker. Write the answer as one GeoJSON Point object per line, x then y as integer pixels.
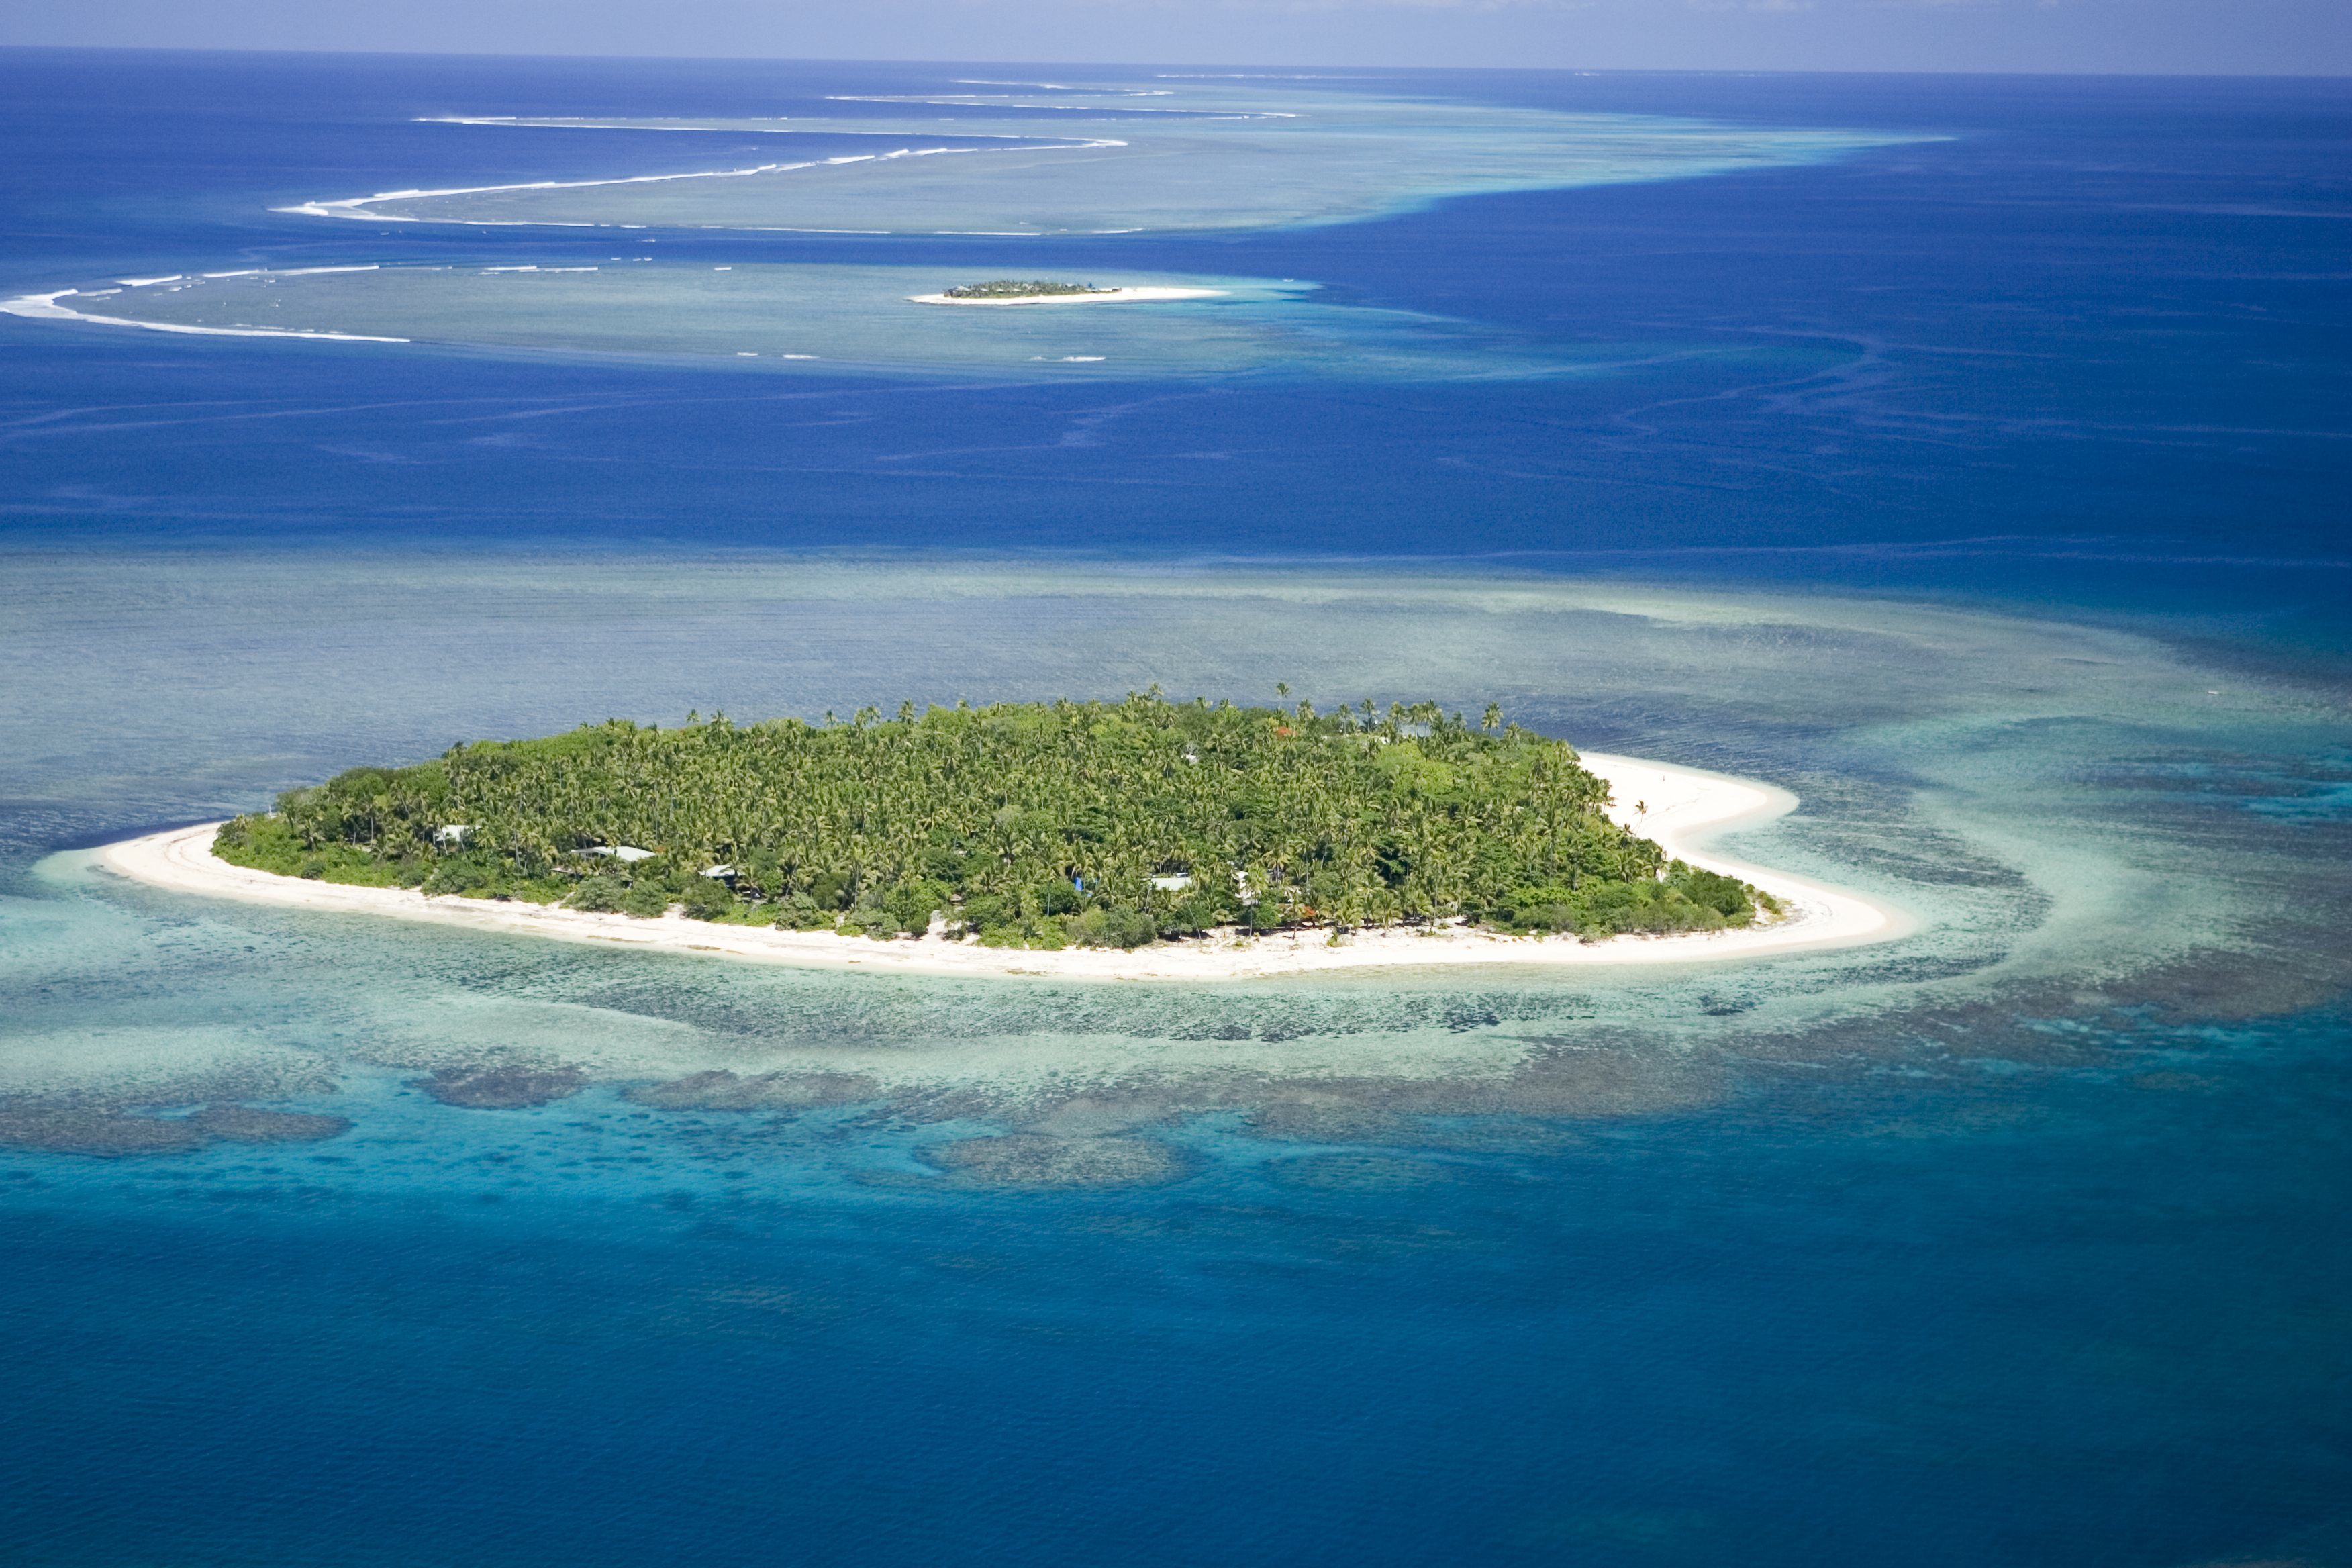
{"type": "Point", "coordinates": [1679, 808]}
{"type": "Point", "coordinates": [1139, 295]}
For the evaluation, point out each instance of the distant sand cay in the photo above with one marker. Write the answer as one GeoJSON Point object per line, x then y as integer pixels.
{"type": "Point", "coordinates": [829, 318]}
{"type": "Point", "coordinates": [1682, 805]}
{"type": "Point", "coordinates": [1129, 296]}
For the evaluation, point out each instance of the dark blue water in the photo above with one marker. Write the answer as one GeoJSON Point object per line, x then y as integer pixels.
{"type": "Point", "coordinates": [2094, 344]}
{"type": "Point", "coordinates": [2055, 1344]}
{"type": "Point", "coordinates": [2070, 1304]}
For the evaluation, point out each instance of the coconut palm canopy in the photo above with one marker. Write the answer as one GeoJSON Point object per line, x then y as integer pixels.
{"type": "Point", "coordinates": [1034, 824]}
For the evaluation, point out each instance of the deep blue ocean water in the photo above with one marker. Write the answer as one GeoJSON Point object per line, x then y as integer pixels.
{"type": "Point", "coordinates": [2001, 1253]}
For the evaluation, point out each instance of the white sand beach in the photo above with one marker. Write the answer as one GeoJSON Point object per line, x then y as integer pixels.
{"type": "Point", "coordinates": [1139, 295]}
{"type": "Point", "coordinates": [1678, 808]}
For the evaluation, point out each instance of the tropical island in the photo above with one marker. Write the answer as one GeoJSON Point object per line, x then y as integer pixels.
{"type": "Point", "coordinates": [1019, 289]}
{"type": "Point", "coordinates": [1035, 826]}
{"type": "Point", "coordinates": [1046, 291]}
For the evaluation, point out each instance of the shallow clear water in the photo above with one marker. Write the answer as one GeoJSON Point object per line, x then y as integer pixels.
{"type": "Point", "coordinates": [1165, 155]}
{"type": "Point", "coordinates": [1983, 491]}
{"type": "Point", "coordinates": [820, 321]}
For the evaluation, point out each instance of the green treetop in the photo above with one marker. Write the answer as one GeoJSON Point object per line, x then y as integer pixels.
{"type": "Point", "coordinates": [1030, 824]}
{"type": "Point", "coordinates": [1018, 288]}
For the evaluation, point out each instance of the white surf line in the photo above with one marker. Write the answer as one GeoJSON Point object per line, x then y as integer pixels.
{"type": "Point", "coordinates": [355, 206]}
{"type": "Point", "coordinates": [1109, 90]}
{"type": "Point", "coordinates": [1063, 87]}
{"type": "Point", "coordinates": [240, 272]}
{"type": "Point", "coordinates": [45, 307]}
{"type": "Point", "coordinates": [349, 206]}
{"type": "Point", "coordinates": [770, 125]}
{"type": "Point", "coordinates": [999, 101]}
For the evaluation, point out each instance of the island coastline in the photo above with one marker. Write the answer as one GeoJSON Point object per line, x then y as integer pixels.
{"type": "Point", "coordinates": [1676, 807]}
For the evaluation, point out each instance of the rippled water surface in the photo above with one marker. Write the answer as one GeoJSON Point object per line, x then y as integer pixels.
{"type": "Point", "coordinates": [1976, 481]}
{"type": "Point", "coordinates": [827, 321]}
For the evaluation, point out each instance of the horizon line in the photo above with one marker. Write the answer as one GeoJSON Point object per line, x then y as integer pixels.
{"type": "Point", "coordinates": [642, 56]}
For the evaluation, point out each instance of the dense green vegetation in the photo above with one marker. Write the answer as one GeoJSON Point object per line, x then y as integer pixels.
{"type": "Point", "coordinates": [1024, 825]}
{"type": "Point", "coordinates": [1018, 288]}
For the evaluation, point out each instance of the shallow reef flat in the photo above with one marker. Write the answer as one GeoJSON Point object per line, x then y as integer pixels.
{"type": "Point", "coordinates": [831, 320]}
{"type": "Point", "coordinates": [1073, 160]}
{"type": "Point", "coordinates": [2086, 822]}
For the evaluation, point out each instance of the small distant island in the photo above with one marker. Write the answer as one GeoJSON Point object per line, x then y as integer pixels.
{"type": "Point", "coordinates": [999, 292]}
{"type": "Point", "coordinates": [1019, 289]}
{"type": "Point", "coordinates": [1026, 826]}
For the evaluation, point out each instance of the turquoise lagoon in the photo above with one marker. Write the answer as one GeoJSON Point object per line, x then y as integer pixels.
{"type": "Point", "coordinates": [2023, 1199]}
{"type": "Point", "coordinates": [1049, 159]}
{"type": "Point", "coordinates": [1177, 158]}
{"type": "Point", "coordinates": [2005, 778]}
{"type": "Point", "coordinates": [1964, 457]}
{"type": "Point", "coordinates": [815, 319]}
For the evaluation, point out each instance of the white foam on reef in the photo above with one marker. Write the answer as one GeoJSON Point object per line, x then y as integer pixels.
{"type": "Point", "coordinates": [757, 125]}
{"type": "Point", "coordinates": [1002, 100]}
{"type": "Point", "coordinates": [851, 316]}
{"type": "Point", "coordinates": [1678, 808]}
{"type": "Point", "coordinates": [1204, 156]}
{"type": "Point", "coordinates": [38, 306]}
{"type": "Point", "coordinates": [359, 207]}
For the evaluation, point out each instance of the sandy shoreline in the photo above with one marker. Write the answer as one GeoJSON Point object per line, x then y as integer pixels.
{"type": "Point", "coordinates": [1676, 807]}
{"type": "Point", "coordinates": [1135, 296]}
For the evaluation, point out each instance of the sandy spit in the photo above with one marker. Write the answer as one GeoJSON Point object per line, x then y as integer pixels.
{"type": "Point", "coordinates": [1679, 808]}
